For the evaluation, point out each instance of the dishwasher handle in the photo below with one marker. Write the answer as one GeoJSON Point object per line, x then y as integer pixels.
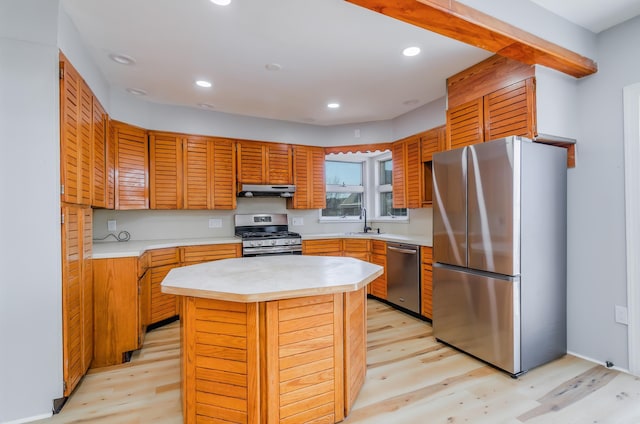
{"type": "Point", "coordinates": [407, 251]}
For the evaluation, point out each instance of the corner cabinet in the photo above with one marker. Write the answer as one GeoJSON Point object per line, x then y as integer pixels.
{"type": "Point", "coordinates": [264, 163]}
{"type": "Point", "coordinates": [131, 166]}
{"type": "Point", "coordinates": [77, 293]}
{"type": "Point", "coordinates": [309, 178]}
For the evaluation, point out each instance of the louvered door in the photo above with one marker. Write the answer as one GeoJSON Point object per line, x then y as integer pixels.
{"type": "Point", "coordinates": [510, 111]}
{"type": "Point", "coordinates": [99, 176]}
{"type": "Point", "coordinates": [87, 288]}
{"type": "Point", "coordinates": [278, 166]}
{"type": "Point", "coordinates": [465, 124]}
{"type": "Point", "coordinates": [165, 170]}
{"type": "Point", "coordinates": [398, 172]}
{"type": "Point", "coordinates": [309, 178]}
{"type": "Point", "coordinates": [433, 141]}
{"type": "Point", "coordinates": [131, 167]}
{"type": "Point", "coordinates": [223, 174]}
{"type": "Point", "coordinates": [251, 162]}
{"type": "Point", "coordinates": [197, 175]}
{"type": "Point", "coordinates": [413, 179]}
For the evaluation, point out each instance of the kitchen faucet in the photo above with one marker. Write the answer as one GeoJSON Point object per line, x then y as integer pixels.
{"type": "Point", "coordinates": [363, 212]}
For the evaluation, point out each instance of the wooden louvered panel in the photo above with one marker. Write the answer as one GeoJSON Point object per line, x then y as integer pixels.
{"type": "Point", "coordinates": [197, 175]}
{"type": "Point", "coordinates": [72, 305]}
{"type": "Point", "coordinates": [99, 158]}
{"type": "Point", "coordinates": [433, 141]}
{"type": "Point", "coordinates": [110, 170]}
{"type": "Point", "coordinates": [465, 124]}
{"type": "Point", "coordinates": [223, 174]}
{"type": "Point", "coordinates": [318, 187]}
{"type": "Point", "coordinates": [427, 282]}
{"type": "Point", "coordinates": [165, 170]}
{"type": "Point", "coordinates": [378, 287]}
{"type": "Point", "coordinates": [355, 345]}
{"type": "Point", "coordinates": [251, 162]}
{"type": "Point", "coordinates": [308, 177]}
{"type": "Point", "coordinates": [163, 306]}
{"type": "Point", "coordinates": [378, 247]}
{"type": "Point", "coordinates": [308, 380]}
{"type": "Point", "coordinates": [85, 141]}
{"type": "Point", "coordinates": [160, 257]}
{"type": "Point", "coordinates": [221, 373]}
{"type": "Point", "coordinates": [398, 172]}
{"type": "Point", "coordinates": [510, 111]}
{"type": "Point", "coordinates": [278, 164]}
{"type": "Point", "coordinates": [131, 185]}
{"type": "Point", "coordinates": [212, 252]}
{"type": "Point", "coordinates": [87, 288]}
{"type": "Point", "coordinates": [330, 247]}
{"type": "Point", "coordinates": [70, 161]}
{"type": "Point", "coordinates": [413, 178]}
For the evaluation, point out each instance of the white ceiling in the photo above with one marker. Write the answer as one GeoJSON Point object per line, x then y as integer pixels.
{"type": "Point", "coordinates": [328, 50]}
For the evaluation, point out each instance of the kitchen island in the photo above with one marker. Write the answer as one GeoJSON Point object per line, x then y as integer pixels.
{"type": "Point", "coordinates": [273, 338]}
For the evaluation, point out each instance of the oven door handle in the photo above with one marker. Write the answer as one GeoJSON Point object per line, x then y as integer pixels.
{"type": "Point", "coordinates": [270, 250]}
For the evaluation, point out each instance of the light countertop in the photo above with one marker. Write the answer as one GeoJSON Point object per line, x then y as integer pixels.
{"type": "Point", "coordinates": [265, 278]}
{"type": "Point", "coordinates": [114, 249]}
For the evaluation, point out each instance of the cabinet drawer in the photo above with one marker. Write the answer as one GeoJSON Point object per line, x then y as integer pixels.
{"type": "Point", "coordinates": [356, 245]}
{"type": "Point", "coordinates": [210, 252]}
{"type": "Point", "coordinates": [322, 246]}
{"type": "Point", "coordinates": [159, 257]}
{"type": "Point", "coordinates": [379, 247]}
{"type": "Point", "coordinates": [363, 256]}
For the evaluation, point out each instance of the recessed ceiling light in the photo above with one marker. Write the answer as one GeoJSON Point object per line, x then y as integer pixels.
{"type": "Point", "coordinates": [206, 105]}
{"type": "Point", "coordinates": [273, 66]}
{"type": "Point", "coordinates": [122, 59]}
{"type": "Point", "coordinates": [137, 91]}
{"type": "Point", "coordinates": [203, 83]}
{"type": "Point", "coordinates": [333, 105]}
{"type": "Point", "coordinates": [221, 2]}
{"type": "Point", "coordinates": [411, 51]}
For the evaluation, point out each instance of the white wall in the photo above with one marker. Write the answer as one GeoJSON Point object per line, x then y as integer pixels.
{"type": "Point", "coordinates": [30, 295]}
{"type": "Point", "coordinates": [596, 256]}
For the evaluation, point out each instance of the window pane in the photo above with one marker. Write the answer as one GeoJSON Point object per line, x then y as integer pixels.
{"type": "Point", "coordinates": [386, 206]}
{"type": "Point", "coordinates": [386, 174]}
{"type": "Point", "coordinates": [343, 204]}
{"type": "Point", "coordinates": [343, 173]}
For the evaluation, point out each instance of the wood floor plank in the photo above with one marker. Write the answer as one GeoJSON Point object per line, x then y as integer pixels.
{"type": "Point", "coordinates": [411, 378]}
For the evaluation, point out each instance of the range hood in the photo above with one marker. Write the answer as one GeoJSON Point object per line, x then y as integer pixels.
{"type": "Point", "coordinates": [266, 190]}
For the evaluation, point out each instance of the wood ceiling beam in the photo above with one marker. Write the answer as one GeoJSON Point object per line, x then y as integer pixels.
{"type": "Point", "coordinates": [463, 23]}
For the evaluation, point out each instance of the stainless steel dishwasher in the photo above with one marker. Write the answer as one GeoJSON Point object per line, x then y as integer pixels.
{"type": "Point", "coordinates": [403, 276]}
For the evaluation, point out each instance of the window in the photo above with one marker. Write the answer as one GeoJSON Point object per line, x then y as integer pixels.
{"type": "Point", "coordinates": [359, 180]}
{"type": "Point", "coordinates": [345, 189]}
{"type": "Point", "coordinates": [384, 198]}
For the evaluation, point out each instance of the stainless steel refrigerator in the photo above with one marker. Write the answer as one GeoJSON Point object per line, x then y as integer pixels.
{"type": "Point", "coordinates": [499, 239]}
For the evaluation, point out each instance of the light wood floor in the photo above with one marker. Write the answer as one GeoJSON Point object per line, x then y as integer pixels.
{"type": "Point", "coordinates": [411, 378]}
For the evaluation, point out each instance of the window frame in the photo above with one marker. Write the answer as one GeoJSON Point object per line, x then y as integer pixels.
{"type": "Point", "coordinates": [342, 188]}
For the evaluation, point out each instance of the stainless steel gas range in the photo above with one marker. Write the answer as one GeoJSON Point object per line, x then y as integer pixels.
{"type": "Point", "coordinates": [267, 234]}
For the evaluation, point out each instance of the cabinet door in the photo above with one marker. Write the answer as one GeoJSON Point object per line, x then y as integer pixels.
{"type": "Point", "coordinates": [378, 287]}
{"type": "Point", "coordinates": [163, 306]}
{"type": "Point", "coordinates": [223, 174]}
{"type": "Point", "coordinates": [309, 178]}
{"type": "Point", "coordinates": [427, 282]}
{"type": "Point", "coordinates": [433, 141]}
{"type": "Point", "coordinates": [110, 170]}
{"type": "Point", "coordinates": [144, 305]}
{"type": "Point", "coordinates": [131, 167]}
{"type": "Point", "coordinates": [165, 171]}
{"type": "Point", "coordinates": [195, 254]}
{"type": "Point", "coordinates": [511, 111]}
{"type": "Point", "coordinates": [278, 164]}
{"type": "Point", "coordinates": [197, 175]}
{"type": "Point", "coordinates": [398, 179]}
{"type": "Point", "coordinates": [413, 173]}
{"type": "Point", "coordinates": [99, 156]}
{"type": "Point", "coordinates": [251, 162]}
{"type": "Point", "coordinates": [322, 247]}
{"type": "Point", "coordinates": [465, 124]}
{"type": "Point", "coordinates": [77, 294]}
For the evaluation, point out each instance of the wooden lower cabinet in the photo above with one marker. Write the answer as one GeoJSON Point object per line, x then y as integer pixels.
{"type": "Point", "coordinates": [427, 282]}
{"type": "Point", "coordinates": [322, 247]}
{"type": "Point", "coordinates": [190, 255]}
{"type": "Point", "coordinates": [356, 248]}
{"type": "Point", "coordinates": [163, 306]}
{"type": "Point", "coordinates": [286, 361]}
{"type": "Point", "coordinates": [378, 287]}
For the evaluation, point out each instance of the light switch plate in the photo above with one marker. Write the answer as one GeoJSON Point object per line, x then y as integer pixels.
{"type": "Point", "coordinates": [215, 223]}
{"type": "Point", "coordinates": [111, 225]}
{"type": "Point", "coordinates": [297, 221]}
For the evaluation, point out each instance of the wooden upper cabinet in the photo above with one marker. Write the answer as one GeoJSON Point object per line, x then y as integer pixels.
{"type": "Point", "coordinates": [264, 163]}
{"type": "Point", "coordinates": [165, 170]}
{"type": "Point", "coordinates": [398, 174]}
{"type": "Point", "coordinates": [223, 173]}
{"type": "Point", "coordinates": [309, 178]}
{"type": "Point", "coordinates": [100, 171]}
{"type": "Point", "coordinates": [131, 166]}
{"type": "Point", "coordinates": [433, 141]}
{"type": "Point", "coordinates": [511, 111]}
{"type": "Point", "coordinates": [407, 173]}
{"type": "Point", "coordinates": [465, 124]}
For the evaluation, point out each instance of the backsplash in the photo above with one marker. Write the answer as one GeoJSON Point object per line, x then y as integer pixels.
{"type": "Point", "coordinates": [173, 224]}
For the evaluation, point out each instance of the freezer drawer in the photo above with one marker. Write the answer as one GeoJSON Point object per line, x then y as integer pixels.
{"type": "Point", "coordinates": [478, 314]}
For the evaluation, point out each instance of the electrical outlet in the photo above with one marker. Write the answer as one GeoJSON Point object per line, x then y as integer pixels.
{"type": "Point", "coordinates": [215, 223]}
{"type": "Point", "coordinates": [621, 314]}
{"type": "Point", "coordinates": [297, 221]}
{"type": "Point", "coordinates": [111, 225]}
